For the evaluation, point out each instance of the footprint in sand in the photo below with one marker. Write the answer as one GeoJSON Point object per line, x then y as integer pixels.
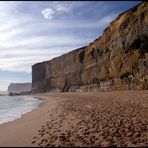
{"type": "Point", "coordinates": [34, 137]}
{"type": "Point", "coordinates": [33, 142]}
{"type": "Point", "coordinates": [43, 140]}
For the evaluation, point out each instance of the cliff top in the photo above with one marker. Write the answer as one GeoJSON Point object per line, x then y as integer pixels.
{"type": "Point", "coordinates": [75, 50]}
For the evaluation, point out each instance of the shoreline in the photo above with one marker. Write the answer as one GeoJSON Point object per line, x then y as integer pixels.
{"type": "Point", "coordinates": [21, 116]}
{"type": "Point", "coordinates": [41, 104]}
{"type": "Point", "coordinates": [24, 127]}
{"type": "Point", "coordinates": [81, 119]}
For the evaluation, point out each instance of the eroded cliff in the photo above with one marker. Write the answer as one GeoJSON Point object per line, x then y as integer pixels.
{"type": "Point", "coordinates": [19, 88]}
{"type": "Point", "coordinates": [117, 60]}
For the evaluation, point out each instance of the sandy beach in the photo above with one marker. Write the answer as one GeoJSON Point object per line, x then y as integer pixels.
{"type": "Point", "coordinates": [117, 118]}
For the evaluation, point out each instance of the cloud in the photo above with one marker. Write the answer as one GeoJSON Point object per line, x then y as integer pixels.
{"type": "Point", "coordinates": [2, 80]}
{"type": "Point", "coordinates": [27, 38]}
{"type": "Point", "coordinates": [55, 9]}
{"type": "Point", "coordinates": [48, 13]}
{"type": "Point", "coordinates": [26, 41]}
{"type": "Point", "coordinates": [62, 8]}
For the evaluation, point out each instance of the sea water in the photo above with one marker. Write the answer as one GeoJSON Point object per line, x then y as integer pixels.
{"type": "Point", "coordinates": [13, 107]}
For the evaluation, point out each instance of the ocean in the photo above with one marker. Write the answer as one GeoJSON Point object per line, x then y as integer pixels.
{"type": "Point", "coordinates": [13, 107]}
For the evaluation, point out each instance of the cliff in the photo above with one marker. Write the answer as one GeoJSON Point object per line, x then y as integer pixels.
{"type": "Point", "coordinates": [117, 60]}
{"type": "Point", "coordinates": [19, 88]}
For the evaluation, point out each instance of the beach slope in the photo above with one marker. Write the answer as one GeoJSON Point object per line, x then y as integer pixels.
{"type": "Point", "coordinates": [117, 118]}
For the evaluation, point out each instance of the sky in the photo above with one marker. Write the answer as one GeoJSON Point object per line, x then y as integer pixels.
{"type": "Point", "coordinates": [36, 31]}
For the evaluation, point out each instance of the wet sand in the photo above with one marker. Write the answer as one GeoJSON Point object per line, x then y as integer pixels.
{"type": "Point", "coordinates": [20, 131]}
{"type": "Point", "coordinates": [118, 118]}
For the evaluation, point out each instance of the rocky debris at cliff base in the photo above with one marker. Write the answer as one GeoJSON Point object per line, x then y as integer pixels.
{"type": "Point", "coordinates": [112, 120]}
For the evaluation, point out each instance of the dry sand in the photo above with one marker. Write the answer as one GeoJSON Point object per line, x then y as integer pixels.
{"type": "Point", "coordinates": [118, 118]}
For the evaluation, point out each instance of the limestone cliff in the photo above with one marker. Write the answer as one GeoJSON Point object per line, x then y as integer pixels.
{"type": "Point", "coordinates": [117, 60]}
{"type": "Point", "coordinates": [19, 88]}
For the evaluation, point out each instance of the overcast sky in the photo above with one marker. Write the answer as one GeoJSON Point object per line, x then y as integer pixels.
{"type": "Point", "coordinates": [36, 31]}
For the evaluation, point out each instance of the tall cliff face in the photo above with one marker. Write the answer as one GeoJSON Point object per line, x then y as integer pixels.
{"type": "Point", "coordinates": [117, 60]}
{"type": "Point", "coordinates": [59, 74]}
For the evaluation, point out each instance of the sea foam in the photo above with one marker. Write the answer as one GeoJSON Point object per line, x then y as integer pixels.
{"type": "Point", "coordinates": [13, 107]}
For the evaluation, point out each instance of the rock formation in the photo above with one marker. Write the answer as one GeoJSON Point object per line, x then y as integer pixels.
{"type": "Point", "coordinates": [19, 88]}
{"type": "Point", "coordinates": [117, 60]}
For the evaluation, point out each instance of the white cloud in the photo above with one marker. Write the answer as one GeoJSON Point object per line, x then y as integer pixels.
{"type": "Point", "coordinates": [26, 38]}
{"type": "Point", "coordinates": [56, 8]}
{"type": "Point", "coordinates": [62, 8]}
{"type": "Point", "coordinates": [48, 13]}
